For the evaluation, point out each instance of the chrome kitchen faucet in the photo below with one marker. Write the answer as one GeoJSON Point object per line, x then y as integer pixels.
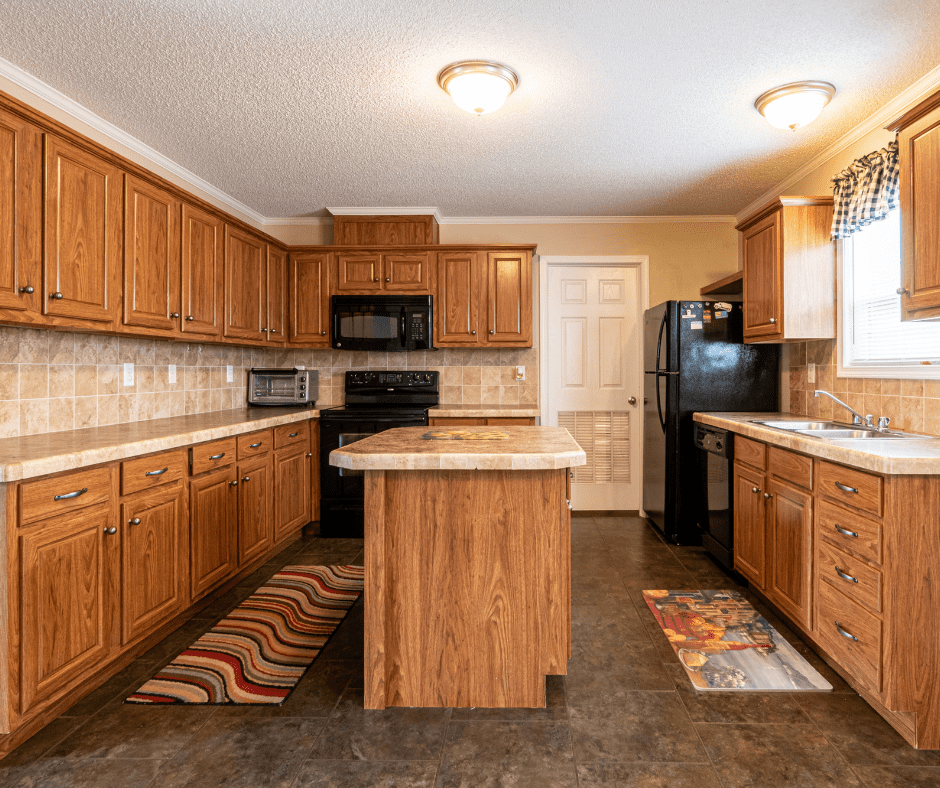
{"type": "Point", "coordinates": [857, 418]}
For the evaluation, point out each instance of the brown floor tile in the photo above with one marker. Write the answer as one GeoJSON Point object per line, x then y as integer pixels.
{"type": "Point", "coordinates": [26, 758]}
{"type": "Point", "coordinates": [899, 776]}
{"type": "Point", "coordinates": [648, 775]}
{"type": "Point", "coordinates": [374, 774]}
{"type": "Point", "coordinates": [630, 665]}
{"type": "Point", "coordinates": [556, 707]}
{"type": "Point", "coordinates": [115, 772]}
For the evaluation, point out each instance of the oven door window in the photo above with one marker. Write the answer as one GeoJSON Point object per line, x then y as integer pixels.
{"type": "Point", "coordinates": [369, 324]}
{"type": "Point", "coordinates": [345, 438]}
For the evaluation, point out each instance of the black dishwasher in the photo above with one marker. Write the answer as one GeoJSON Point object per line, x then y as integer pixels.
{"type": "Point", "coordinates": [715, 493]}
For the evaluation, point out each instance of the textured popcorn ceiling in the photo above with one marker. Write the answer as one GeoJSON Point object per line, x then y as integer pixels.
{"type": "Point", "coordinates": [624, 108]}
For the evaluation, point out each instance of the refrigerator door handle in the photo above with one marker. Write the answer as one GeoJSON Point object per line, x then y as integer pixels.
{"type": "Point", "coordinates": [659, 404]}
{"type": "Point", "coordinates": [659, 345]}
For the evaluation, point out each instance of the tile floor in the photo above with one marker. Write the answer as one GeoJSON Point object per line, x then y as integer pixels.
{"type": "Point", "coordinates": [624, 716]}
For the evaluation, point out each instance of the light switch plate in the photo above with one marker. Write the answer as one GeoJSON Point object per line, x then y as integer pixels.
{"type": "Point", "coordinates": [128, 374]}
{"type": "Point", "coordinates": [172, 373]}
{"type": "Point", "coordinates": [229, 373]}
{"type": "Point", "coordinates": [810, 373]}
{"type": "Point", "coordinates": [520, 373]}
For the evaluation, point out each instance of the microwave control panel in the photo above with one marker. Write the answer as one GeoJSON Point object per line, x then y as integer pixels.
{"type": "Point", "coordinates": [417, 326]}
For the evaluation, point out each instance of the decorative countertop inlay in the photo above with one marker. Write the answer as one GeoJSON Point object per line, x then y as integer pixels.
{"type": "Point", "coordinates": [37, 455]}
{"type": "Point", "coordinates": [887, 455]}
{"type": "Point", "coordinates": [526, 448]}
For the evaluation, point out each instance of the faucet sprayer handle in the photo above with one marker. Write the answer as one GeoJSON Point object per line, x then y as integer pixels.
{"type": "Point", "coordinates": [883, 422]}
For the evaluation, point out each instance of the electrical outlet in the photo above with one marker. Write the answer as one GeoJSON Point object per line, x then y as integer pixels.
{"type": "Point", "coordinates": [128, 374]}
{"type": "Point", "coordinates": [229, 373]}
{"type": "Point", "coordinates": [810, 373]}
{"type": "Point", "coordinates": [172, 371]}
{"type": "Point", "coordinates": [520, 373]}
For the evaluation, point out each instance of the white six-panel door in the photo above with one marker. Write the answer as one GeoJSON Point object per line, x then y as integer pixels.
{"type": "Point", "coordinates": [592, 356]}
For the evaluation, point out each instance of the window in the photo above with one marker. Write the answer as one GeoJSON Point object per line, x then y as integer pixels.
{"type": "Point", "coordinates": [874, 341]}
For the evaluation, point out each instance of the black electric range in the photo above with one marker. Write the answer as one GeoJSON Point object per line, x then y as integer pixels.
{"type": "Point", "coordinates": [375, 402]}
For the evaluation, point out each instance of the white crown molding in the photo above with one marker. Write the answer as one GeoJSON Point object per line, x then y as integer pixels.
{"type": "Point", "coordinates": [388, 211]}
{"type": "Point", "coordinates": [912, 95]}
{"type": "Point", "coordinates": [587, 219]}
{"type": "Point", "coordinates": [299, 221]}
{"type": "Point", "coordinates": [59, 100]}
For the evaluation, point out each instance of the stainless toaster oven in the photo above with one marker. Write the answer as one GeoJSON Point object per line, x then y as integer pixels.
{"type": "Point", "coordinates": [283, 386]}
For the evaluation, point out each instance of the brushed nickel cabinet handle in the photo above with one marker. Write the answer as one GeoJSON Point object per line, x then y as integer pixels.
{"type": "Point", "coordinates": [846, 635]}
{"type": "Point", "coordinates": [293, 435]}
{"type": "Point", "coordinates": [768, 496]}
{"type": "Point", "coordinates": [755, 489]}
{"type": "Point", "coordinates": [157, 473]}
{"type": "Point", "coordinates": [75, 494]}
{"type": "Point", "coordinates": [217, 456]}
{"type": "Point", "coordinates": [112, 530]}
{"type": "Point", "coordinates": [234, 483]}
{"type": "Point", "coordinates": [56, 296]}
{"type": "Point", "coordinates": [323, 333]}
{"type": "Point", "coordinates": [387, 279]}
{"type": "Point", "coordinates": [903, 291]}
{"type": "Point", "coordinates": [134, 521]}
{"type": "Point", "coordinates": [376, 279]}
{"type": "Point", "coordinates": [846, 488]}
{"type": "Point", "coordinates": [844, 576]}
{"type": "Point", "coordinates": [773, 320]}
{"type": "Point", "coordinates": [28, 289]}
{"type": "Point", "coordinates": [474, 333]}
{"type": "Point", "coordinates": [255, 445]}
{"type": "Point", "coordinates": [246, 478]}
{"type": "Point", "coordinates": [273, 330]}
{"type": "Point", "coordinates": [190, 317]}
{"type": "Point", "coordinates": [845, 531]}
{"type": "Point", "coordinates": [492, 332]}
{"type": "Point", "coordinates": [174, 314]}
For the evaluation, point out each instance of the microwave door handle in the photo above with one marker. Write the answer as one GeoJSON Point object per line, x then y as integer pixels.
{"type": "Point", "coordinates": [404, 342]}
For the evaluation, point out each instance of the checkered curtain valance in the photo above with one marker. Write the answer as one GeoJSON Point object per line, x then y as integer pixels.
{"type": "Point", "coordinates": [865, 192]}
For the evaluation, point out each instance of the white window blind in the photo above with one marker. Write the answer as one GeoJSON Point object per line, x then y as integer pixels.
{"type": "Point", "coordinates": [874, 334]}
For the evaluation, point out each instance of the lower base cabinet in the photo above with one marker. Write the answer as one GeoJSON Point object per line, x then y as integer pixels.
{"type": "Point", "coordinates": [501, 421]}
{"type": "Point", "coordinates": [291, 489]}
{"type": "Point", "coordinates": [255, 527]}
{"type": "Point", "coordinates": [213, 517]}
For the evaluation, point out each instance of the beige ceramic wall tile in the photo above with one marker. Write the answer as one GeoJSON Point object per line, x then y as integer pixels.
{"type": "Point", "coordinates": [932, 416]}
{"type": "Point", "coordinates": [107, 379]}
{"type": "Point", "coordinates": [34, 381]}
{"type": "Point", "coordinates": [108, 350]}
{"type": "Point", "coordinates": [9, 347]}
{"type": "Point", "coordinates": [471, 395]}
{"type": "Point", "coordinates": [472, 376]}
{"type": "Point", "coordinates": [9, 418]}
{"type": "Point", "coordinates": [912, 388]}
{"type": "Point", "coordinates": [62, 380]}
{"type": "Point", "coordinates": [86, 412]}
{"type": "Point", "coordinates": [509, 395]}
{"type": "Point", "coordinates": [9, 381]}
{"type": "Point", "coordinates": [86, 380]}
{"type": "Point", "coordinates": [489, 395]}
{"type": "Point", "coordinates": [911, 416]}
{"type": "Point", "coordinates": [107, 409]}
{"type": "Point", "coordinates": [61, 347]}
{"type": "Point", "coordinates": [932, 389]}
{"type": "Point", "coordinates": [34, 416]}
{"type": "Point", "coordinates": [143, 377]}
{"type": "Point", "coordinates": [33, 347]}
{"type": "Point", "coordinates": [61, 414]}
{"type": "Point", "coordinates": [86, 349]}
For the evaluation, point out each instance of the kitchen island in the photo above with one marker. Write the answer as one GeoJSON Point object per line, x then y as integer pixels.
{"type": "Point", "coordinates": [467, 564]}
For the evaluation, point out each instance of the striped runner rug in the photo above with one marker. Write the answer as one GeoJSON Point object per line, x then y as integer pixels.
{"type": "Point", "coordinates": [258, 653]}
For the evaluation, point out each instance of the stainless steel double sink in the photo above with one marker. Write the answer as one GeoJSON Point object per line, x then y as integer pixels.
{"type": "Point", "coordinates": [835, 430]}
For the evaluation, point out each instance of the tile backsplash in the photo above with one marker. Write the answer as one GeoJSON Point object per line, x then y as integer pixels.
{"type": "Point", "coordinates": [52, 381]}
{"type": "Point", "coordinates": [912, 405]}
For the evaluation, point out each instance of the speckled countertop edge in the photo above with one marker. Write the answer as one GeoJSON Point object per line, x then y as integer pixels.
{"type": "Point", "coordinates": [485, 411]}
{"type": "Point", "coordinates": [527, 448]}
{"type": "Point", "coordinates": [38, 455]}
{"type": "Point", "coordinates": [893, 457]}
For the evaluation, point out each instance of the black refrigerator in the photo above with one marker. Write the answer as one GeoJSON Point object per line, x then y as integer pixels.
{"type": "Point", "coordinates": [694, 359]}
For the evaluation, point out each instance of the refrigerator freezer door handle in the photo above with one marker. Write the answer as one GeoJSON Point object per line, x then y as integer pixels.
{"type": "Point", "coordinates": [659, 345]}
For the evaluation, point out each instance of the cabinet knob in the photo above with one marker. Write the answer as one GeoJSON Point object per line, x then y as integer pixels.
{"type": "Point", "coordinates": [376, 279]}
{"type": "Point", "coordinates": [234, 483]}
{"type": "Point", "coordinates": [755, 489]}
{"type": "Point", "coordinates": [134, 521]}
{"type": "Point", "coordinates": [263, 330]}
{"type": "Point", "coordinates": [323, 333]}
{"type": "Point", "coordinates": [474, 333]}
{"type": "Point", "coordinates": [768, 496]}
{"type": "Point", "coordinates": [56, 296]}
{"type": "Point", "coordinates": [273, 330]}
{"type": "Point", "coordinates": [175, 314]}
{"type": "Point", "coordinates": [309, 454]}
{"type": "Point", "coordinates": [773, 320]}
{"type": "Point", "coordinates": [387, 279]}
{"type": "Point", "coordinates": [246, 478]}
{"type": "Point", "coordinates": [28, 289]}
{"type": "Point", "coordinates": [190, 317]}
{"type": "Point", "coordinates": [492, 332]}
{"type": "Point", "coordinates": [903, 291]}
{"type": "Point", "coordinates": [112, 530]}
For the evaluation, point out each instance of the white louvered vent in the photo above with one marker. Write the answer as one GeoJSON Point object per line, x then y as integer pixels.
{"type": "Point", "coordinates": [605, 437]}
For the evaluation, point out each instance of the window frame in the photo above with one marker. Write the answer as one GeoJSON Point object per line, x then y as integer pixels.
{"type": "Point", "coordinates": [846, 367]}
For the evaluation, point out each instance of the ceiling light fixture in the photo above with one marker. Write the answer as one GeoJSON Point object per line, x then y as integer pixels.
{"type": "Point", "coordinates": [794, 105]}
{"type": "Point", "coordinates": [478, 86]}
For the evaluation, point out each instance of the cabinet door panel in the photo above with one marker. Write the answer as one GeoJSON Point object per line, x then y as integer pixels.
{"type": "Point", "coordinates": [83, 234]}
{"type": "Point", "coordinates": [791, 535]}
{"type": "Point", "coordinates": [20, 214]}
{"type": "Point", "coordinates": [460, 287]}
{"type": "Point", "coordinates": [65, 622]}
{"type": "Point", "coordinates": [763, 297]}
{"type": "Point", "coordinates": [309, 295]}
{"type": "Point", "coordinates": [358, 272]}
{"type": "Point", "coordinates": [213, 511]}
{"type": "Point", "coordinates": [255, 531]}
{"type": "Point", "coordinates": [509, 298]}
{"type": "Point", "coordinates": [246, 300]}
{"type": "Point", "coordinates": [201, 273]}
{"type": "Point", "coordinates": [313, 466]}
{"type": "Point", "coordinates": [151, 256]}
{"type": "Point", "coordinates": [920, 235]}
{"type": "Point", "coordinates": [750, 546]}
{"type": "Point", "coordinates": [291, 490]}
{"type": "Point", "coordinates": [153, 561]}
{"type": "Point", "coordinates": [408, 273]}
{"type": "Point", "coordinates": [277, 295]}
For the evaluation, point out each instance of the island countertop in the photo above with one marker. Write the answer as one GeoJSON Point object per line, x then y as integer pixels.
{"type": "Point", "coordinates": [524, 448]}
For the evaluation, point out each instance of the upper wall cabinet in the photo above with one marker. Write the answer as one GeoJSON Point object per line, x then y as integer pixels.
{"type": "Point", "coordinates": [789, 271]}
{"type": "Point", "coordinates": [83, 234]}
{"type": "Point", "coordinates": [151, 257]}
{"type": "Point", "coordinates": [919, 156]}
{"type": "Point", "coordinates": [246, 298]}
{"type": "Point", "coordinates": [509, 298]}
{"type": "Point", "coordinates": [309, 296]}
{"type": "Point", "coordinates": [460, 292]}
{"type": "Point", "coordinates": [20, 217]}
{"type": "Point", "coordinates": [277, 295]}
{"type": "Point", "coordinates": [385, 230]}
{"type": "Point", "coordinates": [201, 273]}
{"type": "Point", "coordinates": [377, 271]}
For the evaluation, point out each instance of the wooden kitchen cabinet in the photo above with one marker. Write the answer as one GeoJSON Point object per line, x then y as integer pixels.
{"type": "Point", "coordinates": [750, 525]}
{"type": "Point", "coordinates": [309, 298]}
{"type": "Point", "coordinates": [292, 487]}
{"type": "Point", "coordinates": [276, 322]}
{"type": "Point", "coordinates": [376, 271]}
{"type": "Point", "coordinates": [201, 273]}
{"type": "Point", "coordinates": [246, 296]}
{"type": "Point", "coordinates": [152, 242]}
{"type": "Point", "coordinates": [458, 310]}
{"type": "Point", "coordinates": [385, 230]}
{"type": "Point", "coordinates": [918, 133]}
{"type": "Point", "coordinates": [83, 235]}
{"type": "Point", "coordinates": [790, 562]}
{"type": "Point", "coordinates": [509, 299]}
{"type": "Point", "coordinates": [213, 529]}
{"type": "Point", "coordinates": [20, 218]}
{"type": "Point", "coordinates": [255, 521]}
{"type": "Point", "coordinates": [789, 271]}
{"type": "Point", "coordinates": [493, 421]}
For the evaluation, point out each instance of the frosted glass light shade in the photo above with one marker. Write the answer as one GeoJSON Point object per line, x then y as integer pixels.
{"type": "Point", "coordinates": [478, 86]}
{"type": "Point", "coordinates": [793, 106]}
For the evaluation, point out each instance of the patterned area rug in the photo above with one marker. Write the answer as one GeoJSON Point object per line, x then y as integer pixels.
{"type": "Point", "coordinates": [725, 644]}
{"type": "Point", "coordinates": [258, 653]}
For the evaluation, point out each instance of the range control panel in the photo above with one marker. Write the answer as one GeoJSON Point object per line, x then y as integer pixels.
{"type": "Point", "coordinates": [403, 379]}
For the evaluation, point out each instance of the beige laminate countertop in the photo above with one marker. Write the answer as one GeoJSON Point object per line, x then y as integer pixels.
{"type": "Point", "coordinates": [484, 412]}
{"type": "Point", "coordinates": [37, 455]}
{"type": "Point", "coordinates": [890, 456]}
{"type": "Point", "coordinates": [526, 448]}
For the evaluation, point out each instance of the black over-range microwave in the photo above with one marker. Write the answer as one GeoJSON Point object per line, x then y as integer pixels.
{"type": "Point", "coordinates": [381, 322]}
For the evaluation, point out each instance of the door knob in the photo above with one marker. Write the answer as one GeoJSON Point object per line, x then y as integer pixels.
{"type": "Point", "coordinates": [492, 332]}
{"type": "Point", "coordinates": [632, 400]}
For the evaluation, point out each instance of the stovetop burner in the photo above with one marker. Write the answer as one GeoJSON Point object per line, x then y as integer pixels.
{"type": "Point", "coordinates": [389, 391]}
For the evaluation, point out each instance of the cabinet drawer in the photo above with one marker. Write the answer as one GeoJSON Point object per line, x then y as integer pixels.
{"type": "Point", "coordinates": [217, 454]}
{"type": "Point", "coordinates": [146, 472]}
{"type": "Point", "coordinates": [510, 421]}
{"type": "Point", "coordinates": [851, 487]}
{"type": "Point", "coordinates": [64, 492]}
{"type": "Point", "coordinates": [751, 452]}
{"type": "Point", "coordinates": [857, 579]}
{"type": "Point", "coordinates": [456, 422]}
{"type": "Point", "coordinates": [849, 531]}
{"type": "Point", "coordinates": [859, 649]}
{"type": "Point", "coordinates": [254, 443]}
{"type": "Point", "coordinates": [793, 468]}
{"type": "Point", "coordinates": [287, 434]}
